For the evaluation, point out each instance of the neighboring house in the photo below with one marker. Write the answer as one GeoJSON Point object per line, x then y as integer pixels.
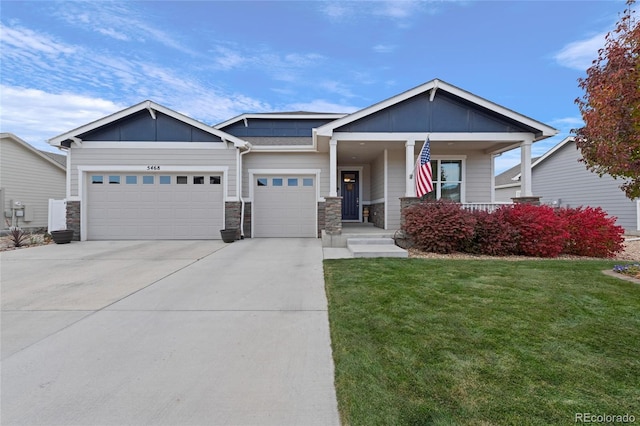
{"type": "Point", "coordinates": [561, 180]}
{"type": "Point", "coordinates": [148, 172]}
{"type": "Point", "coordinates": [28, 179]}
{"type": "Point", "coordinates": [507, 185]}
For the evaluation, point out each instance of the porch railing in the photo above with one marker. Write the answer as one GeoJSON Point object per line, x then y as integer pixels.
{"type": "Point", "coordinates": [488, 207]}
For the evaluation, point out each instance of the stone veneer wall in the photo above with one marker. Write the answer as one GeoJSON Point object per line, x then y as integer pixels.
{"type": "Point", "coordinates": [406, 202]}
{"type": "Point", "coordinates": [232, 215]}
{"type": "Point", "coordinates": [333, 216]}
{"type": "Point", "coordinates": [321, 217]}
{"type": "Point", "coordinates": [74, 218]}
{"type": "Point", "coordinates": [376, 215]}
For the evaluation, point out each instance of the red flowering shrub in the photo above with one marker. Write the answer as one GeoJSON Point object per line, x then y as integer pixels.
{"type": "Point", "coordinates": [438, 226]}
{"type": "Point", "coordinates": [591, 232]}
{"type": "Point", "coordinates": [541, 232]}
{"type": "Point", "coordinates": [492, 236]}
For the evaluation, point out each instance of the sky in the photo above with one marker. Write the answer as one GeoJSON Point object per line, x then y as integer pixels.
{"type": "Point", "coordinates": [64, 64]}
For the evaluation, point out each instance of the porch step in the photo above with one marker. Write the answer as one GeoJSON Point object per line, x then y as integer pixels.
{"type": "Point", "coordinates": [375, 247]}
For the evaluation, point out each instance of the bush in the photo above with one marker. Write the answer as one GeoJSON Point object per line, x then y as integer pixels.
{"type": "Point", "coordinates": [541, 232]}
{"type": "Point", "coordinates": [492, 236]}
{"type": "Point", "coordinates": [17, 236]}
{"type": "Point", "coordinates": [591, 232]}
{"type": "Point", "coordinates": [438, 226]}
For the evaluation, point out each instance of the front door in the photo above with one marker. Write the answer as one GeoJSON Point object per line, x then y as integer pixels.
{"type": "Point", "coordinates": [350, 195]}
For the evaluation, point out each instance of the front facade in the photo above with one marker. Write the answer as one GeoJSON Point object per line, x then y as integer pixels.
{"type": "Point", "coordinates": [148, 172]}
{"type": "Point", "coordinates": [28, 179]}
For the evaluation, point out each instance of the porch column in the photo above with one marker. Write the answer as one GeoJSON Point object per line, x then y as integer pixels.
{"type": "Point", "coordinates": [410, 190]}
{"type": "Point", "coordinates": [333, 168]}
{"type": "Point", "coordinates": [525, 167]}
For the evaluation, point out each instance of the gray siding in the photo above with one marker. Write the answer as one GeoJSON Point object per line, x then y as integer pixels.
{"type": "Point", "coordinates": [478, 178]}
{"type": "Point", "coordinates": [506, 194]}
{"type": "Point", "coordinates": [562, 177]}
{"type": "Point", "coordinates": [286, 160]}
{"type": "Point", "coordinates": [377, 178]}
{"type": "Point", "coordinates": [31, 179]}
{"type": "Point", "coordinates": [396, 186]}
{"type": "Point", "coordinates": [153, 156]}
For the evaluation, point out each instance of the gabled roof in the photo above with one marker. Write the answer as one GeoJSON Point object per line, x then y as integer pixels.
{"type": "Point", "coordinates": [298, 115]}
{"type": "Point", "coordinates": [151, 107]}
{"type": "Point", "coordinates": [508, 177]}
{"type": "Point", "coordinates": [47, 156]}
{"type": "Point", "coordinates": [548, 154]}
{"type": "Point", "coordinates": [433, 86]}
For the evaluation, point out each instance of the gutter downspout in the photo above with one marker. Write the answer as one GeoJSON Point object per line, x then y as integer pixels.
{"type": "Point", "coordinates": [240, 190]}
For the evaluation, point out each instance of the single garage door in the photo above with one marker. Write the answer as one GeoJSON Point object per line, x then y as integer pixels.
{"type": "Point", "coordinates": [284, 206]}
{"type": "Point", "coordinates": [128, 206]}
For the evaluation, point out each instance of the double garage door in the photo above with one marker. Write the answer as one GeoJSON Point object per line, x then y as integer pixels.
{"type": "Point", "coordinates": [130, 206]}
{"type": "Point", "coordinates": [284, 206]}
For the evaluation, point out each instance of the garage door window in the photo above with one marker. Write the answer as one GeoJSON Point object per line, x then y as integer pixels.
{"type": "Point", "coordinates": [147, 180]}
{"type": "Point", "coordinates": [198, 180]}
{"type": "Point", "coordinates": [114, 180]}
{"type": "Point", "coordinates": [181, 180]}
{"type": "Point", "coordinates": [307, 182]}
{"type": "Point", "coordinates": [292, 182]}
{"type": "Point", "coordinates": [131, 180]}
{"type": "Point", "coordinates": [277, 181]}
{"type": "Point", "coordinates": [165, 180]}
{"type": "Point", "coordinates": [96, 179]}
{"type": "Point", "coordinates": [262, 181]}
{"type": "Point", "coordinates": [214, 180]}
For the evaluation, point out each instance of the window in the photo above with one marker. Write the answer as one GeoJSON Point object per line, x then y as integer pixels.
{"type": "Point", "coordinates": [307, 182]}
{"type": "Point", "coordinates": [114, 180]}
{"type": "Point", "coordinates": [447, 180]}
{"type": "Point", "coordinates": [165, 180]}
{"type": "Point", "coordinates": [198, 180]}
{"type": "Point", "coordinates": [181, 180]}
{"type": "Point", "coordinates": [96, 179]}
{"type": "Point", "coordinates": [292, 182]}
{"type": "Point", "coordinates": [277, 181]}
{"type": "Point", "coordinates": [131, 180]}
{"type": "Point", "coordinates": [214, 180]}
{"type": "Point", "coordinates": [262, 182]}
{"type": "Point", "coordinates": [147, 180]}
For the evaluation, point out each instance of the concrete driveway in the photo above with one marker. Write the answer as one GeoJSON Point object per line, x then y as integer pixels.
{"type": "Point", "coordinates": [166, 332]}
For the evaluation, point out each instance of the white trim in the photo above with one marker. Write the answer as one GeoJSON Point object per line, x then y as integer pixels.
{"type": "Point", "coordinates": [638, 215]}
{"type": "Point", "coordinates": [463, 175]}
{"type": "Point", "coordinates": [68, 174]}
{"type": "Point", "coordinates": [358, 169]}
{"type": "Point", "coordinates": [283, 172]}
{"type": "Point", "coordinates": [154, 145]}
{"type": "Point", "coordinates": [327, 129]}
{"type": "Point", "coordinates": [548, 154]}
{"type": "Point", "coordinates": [433, 136]}
{"type": "Point", "coordinates": [385, 169]}
{"type": "Point", "coordinates": [284, 148]}
{"type": "Point", "coordinates": [493, 179]}
{"type": "Point", "coordinates": [83, 189]}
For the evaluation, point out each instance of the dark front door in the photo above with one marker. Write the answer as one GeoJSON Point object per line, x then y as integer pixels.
{"type": "Point", "coordinates": [350, 195]}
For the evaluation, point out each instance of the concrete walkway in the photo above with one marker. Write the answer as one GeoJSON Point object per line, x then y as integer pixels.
{"type": "Point", "coordinates": [169, 332]}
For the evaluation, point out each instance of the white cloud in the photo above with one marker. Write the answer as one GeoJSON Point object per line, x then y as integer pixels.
{"type": "Point", "coordinates": [384, 48]}
{"type": "Point", "coordinates": [25, 39]}
{"type": "Point", "coordinates": [580, 54]}
{"type": "Point", "coordinates": [36, 116]}
{"type": "Point", "coordinates": [321, 105]}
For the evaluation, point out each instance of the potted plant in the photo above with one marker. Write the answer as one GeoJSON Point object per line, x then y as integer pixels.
{"type": "Point", "coordinates": [229, 235]}
{"type": "Point", "coordinates": [63, 236]}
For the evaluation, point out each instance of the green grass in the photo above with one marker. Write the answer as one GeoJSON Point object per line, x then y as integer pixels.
{"type": "Point", "coordinates": [449, 342]}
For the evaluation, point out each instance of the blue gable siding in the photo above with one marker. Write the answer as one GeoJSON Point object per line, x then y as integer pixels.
{"type": "Point", "coordinates": [141, 127]}
{"type": "Point", "coordinates": [274, 127]}
{"type": "Point", "coordinates": [446, 113]}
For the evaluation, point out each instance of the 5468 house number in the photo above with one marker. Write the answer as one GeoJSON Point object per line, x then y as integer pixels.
{"type": "Point", "coordinates": [153, 167]}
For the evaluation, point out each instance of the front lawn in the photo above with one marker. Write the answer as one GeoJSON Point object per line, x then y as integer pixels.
{"type": "Point", "coordinates": [482, 342]}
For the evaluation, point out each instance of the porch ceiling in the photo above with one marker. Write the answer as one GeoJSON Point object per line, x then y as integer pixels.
{"type": "Point", "coordinates": [363, 152]}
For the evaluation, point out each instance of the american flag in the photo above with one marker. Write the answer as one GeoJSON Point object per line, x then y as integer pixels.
{"type": "Point", "coordinates": [424, 181]}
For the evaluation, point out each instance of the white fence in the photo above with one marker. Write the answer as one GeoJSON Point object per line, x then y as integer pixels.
{"type": "Point", "coordinates": [57, 215]}
{"type": "Point", "coordinates": [488, 207]}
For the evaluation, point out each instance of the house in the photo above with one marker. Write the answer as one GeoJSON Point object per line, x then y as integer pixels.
{"type": "Point", "coordinates": [562, 180]}
{"type": "Point", "coordinates": [506, 186]}
{"type": "Point", "coordinates": [149, 172]}
{"type": "Point", "coordinates": [28, 179]}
